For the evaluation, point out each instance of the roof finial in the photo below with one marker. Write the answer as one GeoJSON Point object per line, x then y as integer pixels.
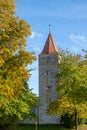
{"type": "Point", "coordinates": [49, 27]}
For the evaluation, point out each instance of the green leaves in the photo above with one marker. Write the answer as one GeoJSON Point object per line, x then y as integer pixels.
{"type": "Point", "coordinates": [72, 85]}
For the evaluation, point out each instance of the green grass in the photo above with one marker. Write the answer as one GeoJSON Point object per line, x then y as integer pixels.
{"type": "Point", "coordinates": [41, 127]}
{"type": "Point", "coordinates": [47, 127]}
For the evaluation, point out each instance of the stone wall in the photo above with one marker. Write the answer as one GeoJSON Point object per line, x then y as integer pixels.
{"type": "Point", "coordinates": [47, 86]}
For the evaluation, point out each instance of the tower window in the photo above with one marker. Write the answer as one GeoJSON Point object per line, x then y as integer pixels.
{"type": "Point", "coordinates": [49, 99]}
{"type": "Point", "coordinates": [48, 94]}
{"type": "Point", "coordinates": [47, 73]}
{"type": "Point", "coordinates": [49, 87]}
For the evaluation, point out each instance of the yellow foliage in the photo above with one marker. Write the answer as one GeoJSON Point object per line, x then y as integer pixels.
{"type": "Point", "coordinates": [1, 61]}
{"type": "Point", "coordinates": [14, 58]}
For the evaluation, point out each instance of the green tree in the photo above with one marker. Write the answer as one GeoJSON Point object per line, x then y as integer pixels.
{"type": "Point", "coordinates": [72, 86]}
{"type": "Point", "coordinates": [16, 100]}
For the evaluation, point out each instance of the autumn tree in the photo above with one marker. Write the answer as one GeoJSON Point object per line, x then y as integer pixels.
{"type": "Point", "coordinates": [72, 86]}
{"type": "Point", "coordinates": [16, 100]}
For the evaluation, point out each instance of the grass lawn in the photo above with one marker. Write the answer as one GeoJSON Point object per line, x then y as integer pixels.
{"type": "Point", "coordinates": [47, 127]}
{"type": "Point", "coordinates": [41, 127]}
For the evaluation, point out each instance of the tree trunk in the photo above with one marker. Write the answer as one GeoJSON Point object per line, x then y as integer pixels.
{"type": "Point", "coordinates": [76, 119]}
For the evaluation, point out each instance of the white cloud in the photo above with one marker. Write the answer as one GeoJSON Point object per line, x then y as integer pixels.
{"type": "Point", "coordinates": [32, 35]}
{"type": "Point", "coordinates": [35, 34]}
{"type": "Point", "coordinates": [77, 38]}
{"type": "Point", "coordinates": [37, 49]}
{"type": "Point", "coordinates": [75, 49]}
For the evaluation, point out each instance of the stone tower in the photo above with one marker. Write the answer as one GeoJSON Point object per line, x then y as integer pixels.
{"type": "Point", "coordinates": [48, 60]}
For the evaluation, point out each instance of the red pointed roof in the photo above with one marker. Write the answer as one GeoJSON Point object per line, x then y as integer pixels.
{"type": "Point", "coordinates": [50, 47]}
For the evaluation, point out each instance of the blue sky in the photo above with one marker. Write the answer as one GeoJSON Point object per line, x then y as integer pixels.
{"type": "Point", "coordinates": [69, 26]}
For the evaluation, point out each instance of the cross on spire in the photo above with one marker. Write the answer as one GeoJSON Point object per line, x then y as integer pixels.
{"type": "Point", "coordinates": [49, 27]}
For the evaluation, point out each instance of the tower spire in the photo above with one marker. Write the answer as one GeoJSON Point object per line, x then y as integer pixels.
{"type": "Point", "coordinates": [50, 47]}
{"type": "Point", "coordinates": [49, 27]}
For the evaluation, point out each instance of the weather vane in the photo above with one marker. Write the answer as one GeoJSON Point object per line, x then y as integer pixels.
{"type": "Point", "coordinates": [49, 27]}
